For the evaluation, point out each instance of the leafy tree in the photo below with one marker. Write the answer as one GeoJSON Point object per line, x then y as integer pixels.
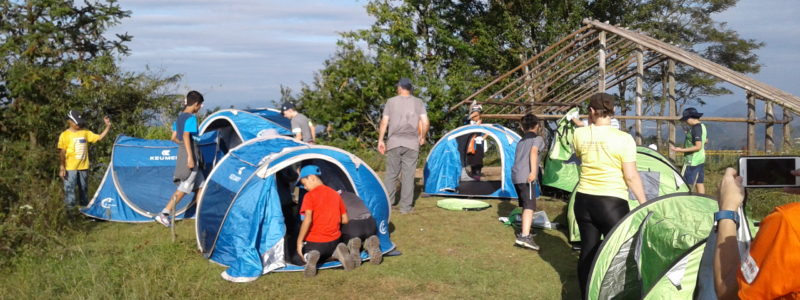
{"type": "Point", "coordinates": [452, 48]}
{"type": "Point", "coordinates": [56, 56]}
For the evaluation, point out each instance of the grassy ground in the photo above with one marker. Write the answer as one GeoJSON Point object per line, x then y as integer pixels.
{"type": "Point", "coordinates": [446, 254]}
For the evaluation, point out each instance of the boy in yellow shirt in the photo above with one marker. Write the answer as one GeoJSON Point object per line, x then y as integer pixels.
{"type": "Point", "coordinates": [73, 146]}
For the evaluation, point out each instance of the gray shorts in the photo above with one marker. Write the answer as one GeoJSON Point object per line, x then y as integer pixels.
{"type": "Point", "coordinates": [193, 182]}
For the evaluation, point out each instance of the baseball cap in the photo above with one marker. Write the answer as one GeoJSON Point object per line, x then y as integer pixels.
{"type": "Point", "coordinates": [405, 83]}
{"type": "Point", "coordinates": [690, 112]}
{"type": "Point", "coordinates": [306, 171]}
{"type": "Point", "coordinates": [602, 101]}
{"type": "Point", "coordinates": [75, 116]}
{"type": "Point", "coordinates": [287, 105]}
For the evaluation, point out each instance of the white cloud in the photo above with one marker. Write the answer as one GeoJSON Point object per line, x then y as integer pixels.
{"type": "Point", "coordinates": [237, 52]}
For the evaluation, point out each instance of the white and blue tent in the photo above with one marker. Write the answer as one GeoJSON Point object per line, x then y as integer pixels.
{"type": "Point", "coordinates": [138, 181]}
{"type": "Point", "coordinates": [445, 162]}
{"type": "Point", "coordinates": [237, 126]}
{"type": "Point", "coordinates": [245, 216]}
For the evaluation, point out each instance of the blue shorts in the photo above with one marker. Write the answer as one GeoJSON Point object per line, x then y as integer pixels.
{"type": "Point", "coordinates": [694, 174]}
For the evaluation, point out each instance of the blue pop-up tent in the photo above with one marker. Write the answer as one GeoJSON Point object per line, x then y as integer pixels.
{"type": "Point", "coordinates": [444, 165]}
{"type": "Point", "coordinates": [246, 213]}
{"type": "Point", "coordinates": [138, 181]}
{"type": "Point", "coordinates": [237, 126]}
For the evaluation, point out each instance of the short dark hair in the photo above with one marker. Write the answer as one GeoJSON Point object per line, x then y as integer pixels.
{"type": "Point", "coordinates": [193, 97]}
{"type": "Point", "coordinates": [529, 121]}
{"type": "Point", "coordinates": [603, 104]}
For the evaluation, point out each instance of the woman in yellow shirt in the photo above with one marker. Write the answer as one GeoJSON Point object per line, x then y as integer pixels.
{"type": "Point", "coordinates": [608, 171]}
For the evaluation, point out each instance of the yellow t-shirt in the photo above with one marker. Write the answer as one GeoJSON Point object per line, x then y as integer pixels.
{"type": "Point", "coordinates": [602, 150]}
{"type": "Point", "coordinates": [76, 145]}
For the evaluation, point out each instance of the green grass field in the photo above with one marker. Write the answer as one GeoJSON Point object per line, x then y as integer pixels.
{"type": "Point", "coordinates": [446, 254]}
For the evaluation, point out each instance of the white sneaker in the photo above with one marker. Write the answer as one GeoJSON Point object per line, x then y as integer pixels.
{"type": "Point", "coordinates": [163, 220]}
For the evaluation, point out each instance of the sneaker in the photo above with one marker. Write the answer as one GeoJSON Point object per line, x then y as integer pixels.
{"type": "Point", "coordinates": [526, 242]}
{"type": "Point", "coordinates": [163, 220]}
{"type": "Point", "coordinates": [312, 257]}
{"type": "Point", "coordinates": [354, 246]}
{"type": "Point", "coordinates": [343, 256]}
{"type": "Point", "coordinates": [373, 246]}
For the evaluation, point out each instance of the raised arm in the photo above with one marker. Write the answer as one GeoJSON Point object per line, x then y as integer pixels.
{"type": "Point", "coordinates": [726, 253]}
{"type": "Point", "coordinates": [633, 181]}
{"type": "Point", "coordinates": [105, 130]}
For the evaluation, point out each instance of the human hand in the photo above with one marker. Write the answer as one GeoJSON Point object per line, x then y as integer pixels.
{"type": "Point", "coordinates": [190, 163]}
{"type": "Point", "coordinates": [300, 251]}
{"type": "Point", "coordinates": [731, 191]}
{"type": "Point", "coordinates": [673, 148]}
{"type": "Point", "coordinates": [381, 148]}
{"type": "Point", "coordinates": [793, 190]}
{"type": "Point", "coordinates": [107, 120]}
{"type": "Point", "coordinates": [531, 177]}
{"type": "Point", "coordinates": [62, 173]}
{"type": "Point", "coordinates": [421, 140]}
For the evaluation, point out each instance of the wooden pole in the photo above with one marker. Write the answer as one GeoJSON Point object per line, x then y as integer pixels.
{"type": "Point", "coordinates": [751, 126]}
{"type": "Point", "coordinates": [787, 130]}
{"type": "Point", "coordinates": [769, 141]}
{"type": "Point", "coordinates": [646, 118]}
{"type": "Point", "coordinates": [601, 57]}
{"type": "Point", "coordinates": [673, 107]}
{"type": "Point", "coordinates": [662, 106]}
{"type": "Point", "coordinates": [639, 92]}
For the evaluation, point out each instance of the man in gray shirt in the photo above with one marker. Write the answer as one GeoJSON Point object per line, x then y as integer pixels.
{"type": "Point", "coordinates": [407, 122]}
{"type": "Point", "coordinates": [301, 127]}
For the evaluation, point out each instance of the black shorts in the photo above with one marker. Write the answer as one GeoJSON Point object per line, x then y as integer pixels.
{"type": "Point", "coordinates": [325, 249]}
{"type": "Point", "coordinates": [526, 195]}
{"type": "Point", "coordinates": [359, 228]}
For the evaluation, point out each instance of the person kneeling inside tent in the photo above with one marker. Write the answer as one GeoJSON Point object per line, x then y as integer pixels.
{"type": "Point", "coordinates": [524, 173]}
{"type": "Point", "coordinates": [361, 228]}
{"type": "Point", "coordinates": [323, 212]}
{"type": "Point", "coordinates": [769, 269]}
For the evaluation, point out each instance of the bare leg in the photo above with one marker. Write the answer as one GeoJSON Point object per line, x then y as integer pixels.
{"type": "Point", "coordinates": [527, 220]}
{"type": "Point", "coordinates": [700, 188]}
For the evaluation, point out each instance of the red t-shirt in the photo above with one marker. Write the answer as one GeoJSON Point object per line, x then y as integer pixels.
{"type": "Point", "coordinates": [326, 208]}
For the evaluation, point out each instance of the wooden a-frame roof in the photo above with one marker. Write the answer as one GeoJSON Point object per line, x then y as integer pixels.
{"type": "Point", "coordinates": [595, 58]}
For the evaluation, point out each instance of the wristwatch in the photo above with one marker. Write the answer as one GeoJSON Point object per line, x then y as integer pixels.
{"type": "Point", "coordinates": [726, 214]}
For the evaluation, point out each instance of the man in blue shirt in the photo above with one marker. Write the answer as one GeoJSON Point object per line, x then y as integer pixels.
{"type": "Point", "coordinates": [187, 174]}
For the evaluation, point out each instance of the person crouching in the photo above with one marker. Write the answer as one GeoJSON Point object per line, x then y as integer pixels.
{"type": "Point", "coordinates": [323, 212]}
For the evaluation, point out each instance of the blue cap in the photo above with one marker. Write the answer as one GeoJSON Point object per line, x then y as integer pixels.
{"type": "Point", "coordinates": [306, 171]}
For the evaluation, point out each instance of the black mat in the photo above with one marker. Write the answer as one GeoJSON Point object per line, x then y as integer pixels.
{"type": "Point", "coordinates": [478, 187]}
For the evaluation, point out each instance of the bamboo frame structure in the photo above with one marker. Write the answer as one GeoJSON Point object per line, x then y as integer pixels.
{"type": "Point", "coordinates": [600, 56]}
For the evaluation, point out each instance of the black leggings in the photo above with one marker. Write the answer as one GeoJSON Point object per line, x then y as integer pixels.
{"type": "Point", "coordinates": [596, 215]}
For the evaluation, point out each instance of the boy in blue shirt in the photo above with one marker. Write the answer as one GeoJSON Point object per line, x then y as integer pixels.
{"type": "Point", "coordinates": [187, 174]}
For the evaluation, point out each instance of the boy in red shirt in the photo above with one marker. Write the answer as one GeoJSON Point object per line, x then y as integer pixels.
{"type": "Point", "coordinates": [324, 212]}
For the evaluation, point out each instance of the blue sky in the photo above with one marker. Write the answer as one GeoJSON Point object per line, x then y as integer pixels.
{"type": "Point", "coordinates": [239, 52]}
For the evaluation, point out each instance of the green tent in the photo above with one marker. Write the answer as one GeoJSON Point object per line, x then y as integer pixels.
{"type": "Point", "coordinates": [640, 250]}
{"type": "Point", "coordinates": [561, 169]}
{"type": "Point", "coordinates": [659, 177]}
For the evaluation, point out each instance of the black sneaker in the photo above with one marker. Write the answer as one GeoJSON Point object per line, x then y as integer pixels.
{"type": "Point", "coordinates": [343, 256]}
{"type": "Point", "coordinates": [373, 246]}
{"type": "Point", "coordinates": [312, 257]}
{"type": "Point", "coordinates": [354, 246]}
{"type": "Point", "coordinates": [526, 242]}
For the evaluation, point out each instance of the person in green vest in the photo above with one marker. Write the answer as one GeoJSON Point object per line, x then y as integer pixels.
{"type": "Point", "coordinates": [694, 150]}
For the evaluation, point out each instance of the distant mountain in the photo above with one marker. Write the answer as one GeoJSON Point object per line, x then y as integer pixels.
{"type": "Point", "coordinates": [732, 136]}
